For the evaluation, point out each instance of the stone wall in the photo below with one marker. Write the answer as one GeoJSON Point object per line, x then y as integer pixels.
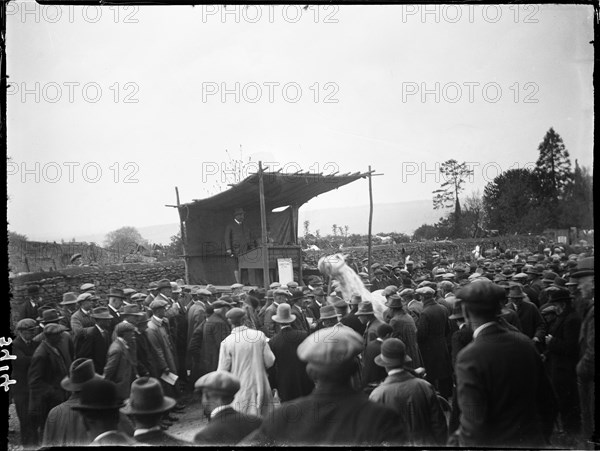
{"type": "Point", "coordinates": [129, 275]}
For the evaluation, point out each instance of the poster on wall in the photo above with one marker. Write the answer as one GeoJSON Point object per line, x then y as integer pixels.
{"type": "Point", "coordinates": [285, 269]}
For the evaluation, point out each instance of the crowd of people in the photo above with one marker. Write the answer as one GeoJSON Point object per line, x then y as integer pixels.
{"type": "Point", "coordinates": [492, 351]}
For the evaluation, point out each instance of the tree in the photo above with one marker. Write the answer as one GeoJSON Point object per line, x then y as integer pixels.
{"type": "Point", "coordinates": [125, 240]}
{"type": "Point", "coordinates": [577, 208]}
{"type": "Point", "coordinates": [175, 248]}
{"type": "Point", "coordinates": [425, 232]}
{"type": "Point", "coordinates": [553, 169]}
{"type": "Point", "coordinates": [511, 203]}
{"type": "Point", "coordinates": [474, 214]}
{"type": "Point", "coordinates": [306, 227]}
{"type": "Point", "coordinates": [455, 175]}
{"type": "Point", "coordinates": [335, 229]}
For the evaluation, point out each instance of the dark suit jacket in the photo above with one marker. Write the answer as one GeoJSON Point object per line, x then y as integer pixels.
{"type": "Point", "coordinates": [238, 237]}
{"type": "Point", "coordinates": [289, 372]}
{"type": "Point", "coordinates": [117, 318]}
{"type": "Point", "coordinates": [46, 371]}
{"type": "Point", "coordinates": [27, 311]}
{"type": "Point", "coordinates": [227, 428]}
{"type": "Point", "coordinates": [300, 323]}
{"type": "Point", "coordinates": [206, 341]}
{"type": "Point", "coordinates": [330, 415]}
{"type": "Point", "coordinates": [431, 337]}
{"type": "Point", "coordinates": [20, 366]}
{"type": "Point", "coordinates": [532, 323]}
{"type": "Point", "coordinates": [352, 321]}
{"type": "Point", "coordinates": [142, 345]}
{"type": "Point", "coordinates": [159, 438]}
{"type": "Point", "coordinates": [371, 371]}
{"type": "Point", "coordinates": [503, 393]}
{"type": "Point", "coordinates": [94, 346]}
{"type": "Point", "coordinates": [563, 351]}
{"type": "Point", "coordinates": [461, 338]}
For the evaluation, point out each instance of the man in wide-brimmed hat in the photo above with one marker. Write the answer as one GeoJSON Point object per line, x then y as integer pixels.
{"type": "Point", "coordinates": [404, 327]}
{"type": "Point", "coordinates": [65, 426]}
{"type": "Point", "coordinates": [68, 306]}
{"type": "Point", "coordinates": [534, 285]}
{"type": "Point", "coordinates": [410, 396]}
{"type": "Point", "coordinates": [116, 296]}
{"type": "Point", "coordinates": [99, 405]}
{"type": "Point", "coordinates": [279, 296]}
{"type": "Point", "coordinates": [532, 323]}
{"type": "Point", "coordinates": [121, 359]}
{"type": "Point", "coordinates": [32, 302]}
{"type": "Point", "coordinates": [49, 365]}
{"type": "Point", "coordinates": [366, 315]}
{"type": "Point", "coordinates": [23, 347]}
{"type": "Point", "coordinates": [226, 425]}
{"type": "Point", "coordinates": [331, 363]}
{"type": "Point", "coordinates": [327, 317]}
{"type": "Point", "coordinates": [350, 319]}
{"type": "Point", "coordinates": [500, 368]}
{"type": "Point", "coordinates": [289, 372]}
{"type": "Point", "coordinates": [146, 406]}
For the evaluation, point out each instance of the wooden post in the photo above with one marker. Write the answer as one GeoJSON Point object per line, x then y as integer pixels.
{"type": "Point", "coordinates": [183, 239]}
{"type": "Point", "coordinates": [370, 221]}
{"type": "Point", "coordinates": [263, 227]}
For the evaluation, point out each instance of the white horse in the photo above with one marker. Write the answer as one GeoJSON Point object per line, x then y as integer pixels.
{"type": "Point", "coordinates": [350, 283]}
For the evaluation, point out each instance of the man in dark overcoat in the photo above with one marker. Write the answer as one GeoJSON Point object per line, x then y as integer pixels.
{"type": "Point", "coordinates": [504, 395]}
{"type": "Point", "coordinates": [289, 372]}
{"type": "Point", "coordinates": [95, 340]}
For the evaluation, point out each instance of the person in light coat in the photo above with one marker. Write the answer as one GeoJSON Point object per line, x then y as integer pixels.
{"type": "Point", "coordinates": [246, 354]}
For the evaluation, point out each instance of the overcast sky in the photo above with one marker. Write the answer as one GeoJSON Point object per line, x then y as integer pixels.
{"type": "Point", "coordinates": [129, 102]}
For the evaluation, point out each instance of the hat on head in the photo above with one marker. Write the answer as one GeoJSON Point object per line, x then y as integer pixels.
{"type": "Point", "coordinates": [53, 329]}
{"type": "Point", "coordinates": [318, 291]}
{"type": "Point", "coordinates": [98, 394]}
{"type": "Point", "coordinates": [515, 290]}
{"type": "Point", "coordinates": [87, 287]}
{"type": "Point", "coordinates": [128, 291]}
{"type": "Point", "coordinates": [378, 272]}
{"type": "Point", "coordinates": [203, 292]}
{"type": "Point", "coordinates": [296, 295]}
{"type": "Point", "coordinates": [457, 312]}
{"type": "Point", "coordinates": [163, 283]}
{"type": "Point", "coordinates": [425, 291]}
{"type": "Point", "coordinates": [482, 297]}
{"type": "Point", "coordinates": [365, 308]}
{"type": "Point", "coordinates": [235, 313]}
{"type": "Point", "coordinates": [220, 303]}
{"type": "Point", "coordinates": [32, 290]}
{"type": "Point", "coordinates": [585, 267]}
{"type": "Point", "coordinates": [146, 398]}
{"type": "Point", "coordinates": [101, 313]}
{"type": "Point", "coordinates": [446, 285]}
{"type": "Point", "coordinates": [548, 309]}
{"type": "Point", "coordinates": [520, 276]}
{"type": "Point", "coordinates": [219, 381]}
{"type": "Point", "coordinates": [269, 294]}
{"type": "Point", "coordinates": [407, 292]}
{"type": "Point", "coordinates": [340, 304]}
{"type": "Point", "coordinates": [390, 289]}
{"type": "Point", "coordinates": [175, 288]}
{"type": "Point", "coordinates": [556, 294]}
{"type": "Point", "coordinates": [394, 301]}
{"type": "Point", "coordinates": [26, 324]}
{"type": "Point", "coordinates": [138, 297]}
{"type": "Point", "coordinates": [292, 284]}
{"type": "Point", "coordinates": [535, 270]}
{"type": "Point", "coordinates": [393, 354]}
{"type": "Point", "coordinates": [384, 329]}
{"type": "Point", "coordinates": [87, 296]}
{"type": "Point", "coordinates": [315, 280]}
{"type": "Point", "coordinates": [327, 312]}
{"type": "Point", "coordinates": [284, 314]}
{"type": "Point", "coordinates": [69, 298]}
{"type": "Point", "coordinates": [80, 372]}
{"type": "Point", "coordinates": [330, 347]}
{"type": "Point", "coordinates": [236, 286]}
{"type": "Point", "coordinates": [116, 293]}
{"type": "Point", "coordinates": [559, 282]}
{"type": "Point", "coordinates": [153, 285]}
{"type": "Point", "coordinates": [158, 303]}
{"type": "Point", "coordinates": [282, 292]}
{"type": "Point", "coordinates": [123, 327]}
{"type": "Point", "coordinates": [274, 285]}
{"type": "Point", "coordinates": [415, 306]}
{"type": "Point", "coordinates": [49, 316]}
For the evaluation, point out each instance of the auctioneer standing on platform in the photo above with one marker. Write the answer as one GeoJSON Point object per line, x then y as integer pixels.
{"type": "Point", "coordinates": [238, 238]}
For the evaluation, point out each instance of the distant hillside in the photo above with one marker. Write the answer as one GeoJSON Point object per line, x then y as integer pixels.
{"type": "Point", "coordinates": [401, 217]}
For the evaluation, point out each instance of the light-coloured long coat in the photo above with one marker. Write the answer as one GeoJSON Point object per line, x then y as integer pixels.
{"type": "Point", "coordinates": [246, 354]}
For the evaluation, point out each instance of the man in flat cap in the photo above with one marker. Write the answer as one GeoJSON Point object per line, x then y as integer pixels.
{"type": "Point", "coordinates": [413, 398]}
{"type": "Point", "coordinates": [334, 413]}
{"type": "Point", "coordinates": [280, 296]}
{"type": "Point", "coordinates": [238, 239]}
{"type": "Point", "coordinates": [432, 330]}
{"type": "Point", "coordinates": [246, 354]}
{"type": "Point", "coordinates": [23, 347]}
{"type": "Point", "coordinates": [82, 319]}
{"type": "Point", "coordinates": [146, 406]}
{"type": "Point", "coordinates": [226, 425]}
{"type": "Point", "coordinates": [196, 313]}
{"type": "Point", "coordinates": [288, 372]}
{"type": "Point", "coordinates": [162, 349]}
{"type": "Point", "coordinates": [206, 340]}
{"type": "Point", "coordinates": [49, 365]}
{"type": "Point", "coordinates": [504, 395]}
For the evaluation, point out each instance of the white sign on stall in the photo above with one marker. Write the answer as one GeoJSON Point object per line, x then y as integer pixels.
{"type": "Point", "coordinates": [285, 269]}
